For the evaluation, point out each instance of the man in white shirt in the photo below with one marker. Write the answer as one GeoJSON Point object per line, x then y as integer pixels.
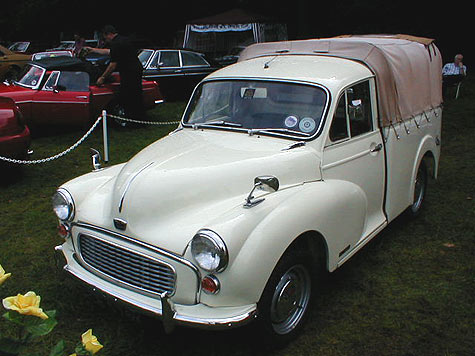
{"type": "Point", "coordinates": [453, 73]}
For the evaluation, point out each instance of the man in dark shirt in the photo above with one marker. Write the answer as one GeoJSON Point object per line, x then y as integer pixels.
{"type": "Point", "coordinates": [124, 59]}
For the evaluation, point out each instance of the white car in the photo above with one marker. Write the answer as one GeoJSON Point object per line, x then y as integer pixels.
{"type": "Point", "coordinates": [285, 164]}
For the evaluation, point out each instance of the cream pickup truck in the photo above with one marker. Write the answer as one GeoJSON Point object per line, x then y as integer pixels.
{"type": "Point", "coordinates": [284, 165]}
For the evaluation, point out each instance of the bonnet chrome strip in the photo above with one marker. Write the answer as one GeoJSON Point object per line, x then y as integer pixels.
{"type": "Point", "coordinates": [121, 202]}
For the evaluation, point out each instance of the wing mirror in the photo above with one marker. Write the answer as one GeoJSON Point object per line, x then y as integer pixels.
{"type": "Point", "coordinates": [96, 160]}
{"type": "Point", "coordinates": [268, 184]}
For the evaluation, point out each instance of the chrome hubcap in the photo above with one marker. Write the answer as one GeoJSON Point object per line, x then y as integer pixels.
{"type": "Point", "coordinates": [290, 299]}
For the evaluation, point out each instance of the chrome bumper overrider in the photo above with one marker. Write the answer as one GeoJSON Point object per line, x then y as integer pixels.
{"type": "Point", "coordinates": [198, 315]}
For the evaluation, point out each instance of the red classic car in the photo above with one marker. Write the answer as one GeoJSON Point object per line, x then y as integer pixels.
{"type": "Point", "coordinates": [14, 134]}
{"type": "Point", "coordinates": [62, 91]}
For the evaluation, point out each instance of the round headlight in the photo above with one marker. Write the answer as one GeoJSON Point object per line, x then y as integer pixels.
{"type": "Point", "coordinates": [63, 204]}
{"type": "Point", "coordinates": [209, 251]}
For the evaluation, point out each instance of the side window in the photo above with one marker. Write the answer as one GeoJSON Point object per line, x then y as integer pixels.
{"type": "Point", "coordinates": [73, 81]}
{"type": "Point", "coordinates": [359, 109]}
{"type": "Point", "coordinates": [193, 59]}
{"type": "Point", "coordinates": [354, 112]}
{"type": "Point", "coordinates": [170, 59]}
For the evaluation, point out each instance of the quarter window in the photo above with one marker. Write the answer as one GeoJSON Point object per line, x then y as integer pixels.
{"type": "Point", "coordinates": [154, 63]}
{"type": "Point", "coordinates": [51, 82]}
{"type": "Point", "coordinates": [193, 59]}
{"type": "Point", "coordinates": [339, 128]}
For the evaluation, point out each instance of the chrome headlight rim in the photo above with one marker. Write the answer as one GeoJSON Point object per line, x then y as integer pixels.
{"type": "Point", "coordinates": [68, 202]}
{"type": "Point", "coordinates": [219, 248]}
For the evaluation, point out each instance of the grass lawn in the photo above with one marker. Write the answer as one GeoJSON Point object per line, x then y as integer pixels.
{"type": "Point", "coordinates": [410, 291]}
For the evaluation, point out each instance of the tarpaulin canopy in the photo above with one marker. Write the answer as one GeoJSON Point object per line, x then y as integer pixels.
{"type": "Point", "coordinates": [408, 69]}
{"type": "Point", "coordinates": [221, 32]}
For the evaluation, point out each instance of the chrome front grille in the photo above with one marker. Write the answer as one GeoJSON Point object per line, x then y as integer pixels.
{"type": "Point", "coordinates": [135, 269]}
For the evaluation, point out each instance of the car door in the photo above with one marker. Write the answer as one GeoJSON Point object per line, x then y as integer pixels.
{"type": "Point", "coordinates": [170, 76]}
{"type": "Point", "coordinates": [354, 153]}
{"type": "Point", "coordinates": [64, 99]}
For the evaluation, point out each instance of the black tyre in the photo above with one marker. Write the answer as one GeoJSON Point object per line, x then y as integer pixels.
{"type": "Point", "coordinates": [285, 303]}
{"type": "Point", "coordinates": [420, 189]}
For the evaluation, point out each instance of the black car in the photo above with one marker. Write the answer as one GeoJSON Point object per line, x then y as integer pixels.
{"type": "Point", "coordinates": [177, 71]}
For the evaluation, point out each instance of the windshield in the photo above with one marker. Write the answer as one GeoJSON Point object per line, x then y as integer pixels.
{"type": "Point", "coordinates": [41, 55]}
{"type": "Point", "coordinates": [270, 107]}
{"type": "Point", "coordinates": [19, 47]}
{"type": "Point", "coordinates": [144, 56]}
{"type": "Point", "coordinates": [66, 45]}
{"type": "Point", "coordinates": [32, 76]}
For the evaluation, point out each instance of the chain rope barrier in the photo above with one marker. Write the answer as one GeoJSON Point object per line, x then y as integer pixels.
{"type": "Point", "coordinates": [144, 122]}
{"type": "Point", "coordinates": [81, 140]}
{"type": "Point", "coordinates": [44, 160]}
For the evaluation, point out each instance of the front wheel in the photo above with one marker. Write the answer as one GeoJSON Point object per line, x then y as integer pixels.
{"type": "Point", "coordinates": [285, 302]}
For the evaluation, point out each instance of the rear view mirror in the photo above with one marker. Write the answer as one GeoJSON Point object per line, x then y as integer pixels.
{"type": "Point", "coordinates": [253, 93]}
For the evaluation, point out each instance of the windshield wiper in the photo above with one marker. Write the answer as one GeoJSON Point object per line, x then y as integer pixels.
{"type": "Point", "coordinates": [216, 123]}
{"type": "Point", "coordinates": [278, 130]}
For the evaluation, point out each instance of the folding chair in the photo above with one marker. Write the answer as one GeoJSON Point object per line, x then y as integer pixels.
{"type": "Point", "coordinates": [457, 91]}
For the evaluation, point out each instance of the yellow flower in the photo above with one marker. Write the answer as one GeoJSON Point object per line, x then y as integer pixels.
{"type": "Point", "coordinates": [90, 342]}
{"type": "Point", "coordinates": [3, 275]}
{"type": "Point", "coordinates": [28, 304]}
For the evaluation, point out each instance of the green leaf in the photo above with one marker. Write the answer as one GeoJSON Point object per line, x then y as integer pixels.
{"type": "Point", "coordinates": [58, 350]}
{"type": "Point", "coordinates": [14, 317]}
{"type": "Point", "coordinates": [10, 347]}
{"type": "Point", "coordinates": [44, 327]}
{"type": "Point", "coordinates": [80, 350]}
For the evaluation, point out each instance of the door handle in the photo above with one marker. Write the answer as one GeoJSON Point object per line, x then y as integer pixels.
{"type": "Point", "coordinates": [377, 148]}
{"type": "Point", "coordinates": [81, 97]}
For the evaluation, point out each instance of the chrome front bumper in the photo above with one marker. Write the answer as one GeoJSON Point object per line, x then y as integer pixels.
{"type": "Point", "coordinates": [197, 315]}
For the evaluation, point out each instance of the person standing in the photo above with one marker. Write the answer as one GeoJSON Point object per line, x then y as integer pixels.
{"type": "Point", "coordinates": [453, 73]}
{"type": "Point", "coordinates": [124, 59]}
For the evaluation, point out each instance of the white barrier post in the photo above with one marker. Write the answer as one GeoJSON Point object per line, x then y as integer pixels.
{"type": "Point", "coordinates": [105, 137]}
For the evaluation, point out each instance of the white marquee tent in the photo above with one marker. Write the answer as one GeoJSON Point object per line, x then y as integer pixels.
{"type": "Point", "coordinates": [218, 34]}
